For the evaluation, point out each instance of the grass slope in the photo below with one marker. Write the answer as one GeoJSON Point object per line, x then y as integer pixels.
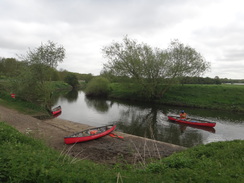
{"type": "Point", "coordinates": [223, 97]}
{"type": "Point", "coordinates": [24, 159]}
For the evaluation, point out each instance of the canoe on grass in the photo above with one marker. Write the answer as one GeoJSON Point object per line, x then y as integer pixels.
{"type": "Point", "coordinates": [192, 121]}
{"type": "Point", "coordinates": [56, 110]}
{"type": "Point", "coordinates": [89, 134]}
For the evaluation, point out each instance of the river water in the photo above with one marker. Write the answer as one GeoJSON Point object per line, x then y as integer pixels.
{"type": "Point", "coordinates": [150, 120]}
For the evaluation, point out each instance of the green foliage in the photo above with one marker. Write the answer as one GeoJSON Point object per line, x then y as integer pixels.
{"type": "Point", "coordinates": [19, 104]}
{"type": "Point", "coordinates": [10, 67]}
{"type": "Point", "coordinates": [98, 86]}
{"type": "Point", "coordinates": [49, 54]}
{"type": "Point", "coordinates": [127, 91]}
{"type": "Point", "coordinates": [37, 68]}
{"type": "Point", "coordinates": [72, 80]}
{"type": "Point", "coordinates": [59, 85]}
{"type": "Point", "coordinates": [185, 61]}
{"type": "Point", "coordinates": [31, 90]}
{"type": "Point", "coordinates": [24, 159]}
{"type": "Point", "coordinates": [29, 107]}
{"type": "Point", "coordinates": [214, 162]}
{"type": "Point", "coordinates": [224, 97]}
{"type": "Point", "coordinates": [85, 77]}
{"type": "Point", "coordinates": [151, 67]}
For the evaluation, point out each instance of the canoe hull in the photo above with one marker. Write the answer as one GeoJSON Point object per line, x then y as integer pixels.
{"type": "Point", "coordinates": [56, 110]}
{"type": "Point", "coordinates": [75, 138]}
{"type": "Point", "coordinates": [192, 121]}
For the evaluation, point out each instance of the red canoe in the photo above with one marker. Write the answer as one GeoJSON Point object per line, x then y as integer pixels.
{"type": "Point", "coordinates": [89, 134]}
{"type": "Point", "coordinates": [192, 121]}
{"type": "Point", "coordinates": [56, 110]}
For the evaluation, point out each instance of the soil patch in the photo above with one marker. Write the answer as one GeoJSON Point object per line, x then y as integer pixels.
{"type": "Point", "coordinates": [109, 150]}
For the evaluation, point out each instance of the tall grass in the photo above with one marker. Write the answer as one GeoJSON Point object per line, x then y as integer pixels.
{"type": "Point", "coordinates": [24, 159]}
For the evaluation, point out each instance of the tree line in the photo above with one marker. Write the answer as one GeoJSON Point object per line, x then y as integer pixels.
{"type": "Point", "coordinates": [30, 76]}
{"type": "Point", "coordinates": [127, 61]}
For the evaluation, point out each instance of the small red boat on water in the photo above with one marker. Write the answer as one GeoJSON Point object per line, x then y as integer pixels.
{"type": "Point", "coordinates": [57, 110]}
{"type": "Point", "coordinates": [192, 121]}
{"type": "Point", "coordinates": [89, 134]}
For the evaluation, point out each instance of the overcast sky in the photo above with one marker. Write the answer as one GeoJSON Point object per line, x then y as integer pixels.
{"type": "Point", "coordinates": [214, 28]}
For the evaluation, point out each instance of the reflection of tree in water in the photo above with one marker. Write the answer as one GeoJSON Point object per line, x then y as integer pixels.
{"type": "Point", "coordinates": [71, 96]}
{"type": "Point", "coordinates": [100, 105]}
{"type": "Point", "coordinates": [146, 123]}
{"type": "Point", "coordinates": [142, 122]}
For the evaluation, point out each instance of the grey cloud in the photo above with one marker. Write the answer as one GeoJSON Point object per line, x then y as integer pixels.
{"type": "Point", "coordinates": [85, 26]}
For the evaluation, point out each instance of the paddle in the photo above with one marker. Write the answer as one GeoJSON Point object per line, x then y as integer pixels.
{"type": "Point", "coordinates": [115, 135]}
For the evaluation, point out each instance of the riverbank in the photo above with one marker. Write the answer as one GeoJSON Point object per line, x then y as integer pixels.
{"type": "Point", "coordinates": [132, 159]}
{"type": "Point", "coordinates": [221, 97]}
{"type": "Point", "coordinates": [24, 159]}
{"type": "Point", "coordinates": [108, 150]}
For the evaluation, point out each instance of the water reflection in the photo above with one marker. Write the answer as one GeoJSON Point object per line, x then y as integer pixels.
{"type": "Point", "coordinates": [147, 123]}
{"type": "Point", "coordinates": [100, 105]}
{"type": "Point", "coordinates": [183, 127]}
{"type": "Point", "coordinates": [150, 120]}
{"type": "Point", "coordinates": [71, 96]}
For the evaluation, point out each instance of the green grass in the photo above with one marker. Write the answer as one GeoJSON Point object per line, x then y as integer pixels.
{"type": "Point", "coordinates": [28, 107]}
{"type": "Point", "coordinates": [215, 162]}
{"type": "Point", "coordinates": [24, 159]}
{"type": "Point", "coordinates": [57, 85]}
{"type": "Point", "coordinates": [20, 105]}
{"type": "Point", "coordinates": [227, 97]}
{"type": "Point", "coordinates": [223, 97]}
{"type": "Point", "coordinates": [129, 91]}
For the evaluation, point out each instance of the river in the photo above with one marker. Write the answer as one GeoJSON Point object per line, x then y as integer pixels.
{"type": "Point", "coordinates": [150, 120]}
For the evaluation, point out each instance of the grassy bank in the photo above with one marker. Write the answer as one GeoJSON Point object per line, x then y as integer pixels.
{"type": "Point", "coordinates": [20, 105]}
{"type": "Point", "coordinates": [222, 97]}
{"type": "Point", "coordinates": [28, 107]}
{"type": "Point", "coordinates": [24, 159]}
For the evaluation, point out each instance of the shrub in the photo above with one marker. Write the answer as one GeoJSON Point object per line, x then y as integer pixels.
{"type": "Point", "coordinates": [98, 86]}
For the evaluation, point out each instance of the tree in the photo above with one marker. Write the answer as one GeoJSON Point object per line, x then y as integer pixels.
{"type": "Point", "coordinates": [137, 61]}
{"type": "Point", "coordinates": [72, 80]}
{"type": "Point", "coordinates": [45, 56]}
{"type": "Point", "coordinates": [49, 54]}
{"type": "Point", "coordinates": [41, 63]}
{"type": "Point", "coordinates": [10, 67]}
{"type": "Point", "coordinates": [217, 80]}
{"type": "Point", "coordinates": [185, 61]}
{"type": "Point", "coordinates": [150, 67]}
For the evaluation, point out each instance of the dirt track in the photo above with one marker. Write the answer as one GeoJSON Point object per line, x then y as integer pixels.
{"type": "Point", "coordinates": [109, 150]}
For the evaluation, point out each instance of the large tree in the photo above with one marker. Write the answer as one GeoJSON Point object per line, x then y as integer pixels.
{"type": "Point", "coordinates": [42, 58]}
{"type": "Point", "coordinates": [42, 62]}
{"type": "Point", "coordinates": [139, 62]}
{"type": "Point", "coordinates": [49, 54]}
{"type": "Point", "coordinates": [185, 61]}
{"type": "Point", "coordinates": [150, 67]}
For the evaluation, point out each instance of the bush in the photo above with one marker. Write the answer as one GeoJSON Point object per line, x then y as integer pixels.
{"type": "Point", "coordinates": [72, 80]}
{"type": "Point", "coordinates": [98, 86]}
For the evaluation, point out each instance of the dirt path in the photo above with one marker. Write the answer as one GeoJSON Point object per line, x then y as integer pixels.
{"type": "Point", "coordinates": [103, 150]}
